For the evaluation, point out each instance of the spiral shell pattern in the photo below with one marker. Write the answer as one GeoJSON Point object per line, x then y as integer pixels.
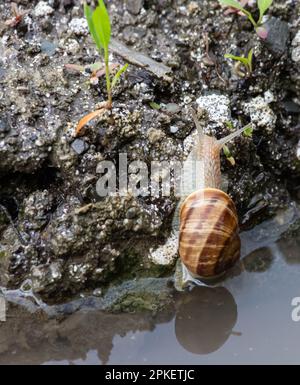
{"type": "Point", "coordinates": [209, 243]}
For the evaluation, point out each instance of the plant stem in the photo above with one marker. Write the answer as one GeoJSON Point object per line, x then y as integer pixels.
{"type": "Point", "coordinates": [107, 75]}
{"type": "Point", "coordinates": [248, 14]}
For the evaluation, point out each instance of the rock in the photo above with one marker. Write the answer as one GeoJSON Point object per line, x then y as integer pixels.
{"type": "Point", "coordinates": [296, 48]}
{"type": "Point", "coordinates": [4, 125]}
{"type": "Point", "coordinates": [217, 107]}
{"type": "Point", "coordinates": [43, 276]}
{"type": "Point", "coordinates": [193, 7]}
{"type": "Point", "coordinates": [155, 135]}
{"type": "Point", "coordinates": [277, 37]}
{"type": "Point", "coordinates": [48, 47]}
{"type": "Point", "coordinates": [79, 26]}
{"type": "Point", "coordinates": [134, 6]}
{"type": "Point", "coordinates": [260, 113]}
{"type": "Point", "coordinates": [172, 108]}
{"type": "Point", "coordinates": [131, 213]}
{"type": "Point", "coordinates": [82, 238]}
{"type": "Point", "coordinates": [79, 146]}
{"type": "Point", "coordinates": [36, 210]}
{"type": "Point", "coordinates": [173, 129]}
{"type": "Point", "coordinates": [25, 151]}
{"type": "Point", "coordinates": [42, 9]}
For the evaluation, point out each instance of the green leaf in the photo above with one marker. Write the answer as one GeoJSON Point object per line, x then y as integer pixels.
{"type": "Point", "coordinates": [248, 132]}
{"type": "Point", "coordinates": [229, 124]}
{"type": "Point", "coordinates": [243, 60]}
{"type": "Point", "coordinates": [101, 23]}
{"type": "Point", "coordinates": [250, 57]}
{"type": "Point", "coordinates": [226, 151]}
{"type": "Point", "coordinates": [228, 155]}
{"type": "Point", "coordinates": [89, 17]}
{"type": "Point", "coordinates": [155, 106]}
{"type": "Point", "coordinates": [232, 3]}
{"type": "Point", "coordinates": [118, 75]}
{"type": "Point", "coordinates": [263, 6]}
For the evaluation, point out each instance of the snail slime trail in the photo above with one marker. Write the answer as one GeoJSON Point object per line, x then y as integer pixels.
{"type": "Point", "coordinates": [209, 242]}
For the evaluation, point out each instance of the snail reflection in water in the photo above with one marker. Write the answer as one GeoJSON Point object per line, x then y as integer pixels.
{"type": "Point", "coordinates": [209, 242]}
{"type": "Point", "coordinates": [205, 318]}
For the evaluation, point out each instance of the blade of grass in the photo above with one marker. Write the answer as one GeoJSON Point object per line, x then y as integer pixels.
{"type": "Point", "coordinates": [101, 22]}
{"type": "Point", "coordinates": [243, 60]}
{"type": "Point", "coordinates": [250, 58]}
{"type": "Point", "coordinates": [89, 17]}
{"type": "Point", "coordinates": [263, 6]}
{"type": "Point", "coordinates": [118, 75]}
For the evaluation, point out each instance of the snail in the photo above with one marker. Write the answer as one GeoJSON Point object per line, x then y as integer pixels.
{"type": "Point", "coordinates": [209, 242]}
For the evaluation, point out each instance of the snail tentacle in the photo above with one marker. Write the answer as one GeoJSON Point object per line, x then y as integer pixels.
{"type": "Point", "coordinates": [228, 138]}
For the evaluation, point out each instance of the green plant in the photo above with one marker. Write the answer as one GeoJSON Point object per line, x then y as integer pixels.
{"type": "Point", "coordinates": [228, 155]}
{"type": "Point", "coordinates": [155, 106]}
{"type": "Point", "coordinates": [248, 132]}
{"type": "Point", "coordinates": [100, 30]}
{"type": "Point", "coordinates": [263, 6]}
{"type": "Point", "coordinates": [246, 61]}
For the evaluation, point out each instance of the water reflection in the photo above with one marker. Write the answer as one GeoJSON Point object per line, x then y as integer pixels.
{"type": "Point", "coordinates": [259, 260]}
{"type": "Point", "coordinates": [205, 319]}
{"type": "Point", "coordinates": [289, 249]}
{"type": "Point", "coordinates": [34, 339]}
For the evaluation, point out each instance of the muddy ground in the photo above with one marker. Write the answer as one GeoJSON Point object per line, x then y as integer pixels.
{"type": "Point", "coordinates": [58, 238]}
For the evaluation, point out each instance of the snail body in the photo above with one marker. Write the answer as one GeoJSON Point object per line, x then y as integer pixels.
{"type": "Point", "coordinates": [209, 242]}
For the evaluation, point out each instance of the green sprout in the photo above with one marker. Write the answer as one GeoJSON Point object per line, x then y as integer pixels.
{"type": "Point", "coordinates": [100, 30]}
{"type": "Point", "coordinates": [263, 6]}
{"type": "Point", "coordinates": [248, 132]}
{"type": "Point", "coordinates": [228, 155]}
{"type": "Point", "coordinates": [245, 61]}
{"type": "Point", "coordinates": [229, 125]}
{"type": "Point", "coordinates": [155, 106]}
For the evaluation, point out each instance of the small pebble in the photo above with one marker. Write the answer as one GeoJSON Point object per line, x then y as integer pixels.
{"type": "Point", "coordinates": [79, 146]}
{"type": "Point", "coordinates": [42, 9]}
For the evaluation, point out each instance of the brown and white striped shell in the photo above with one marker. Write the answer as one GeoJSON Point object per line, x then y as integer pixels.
{"type": "Point", "coordinates": [209, 243]}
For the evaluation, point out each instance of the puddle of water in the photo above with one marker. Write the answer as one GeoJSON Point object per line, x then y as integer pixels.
{"type": "Point", "coordinates": [246, 321]}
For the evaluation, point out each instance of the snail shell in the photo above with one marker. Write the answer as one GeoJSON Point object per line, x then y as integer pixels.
{"type": "Point", "coordinates": [209, 243]}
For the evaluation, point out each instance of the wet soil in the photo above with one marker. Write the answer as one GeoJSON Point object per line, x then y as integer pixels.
{"type": "Point", "coordinates": [57, 237]}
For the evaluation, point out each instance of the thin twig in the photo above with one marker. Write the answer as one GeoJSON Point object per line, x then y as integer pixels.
{"type": "Point", "coordinates": [136, 58]}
